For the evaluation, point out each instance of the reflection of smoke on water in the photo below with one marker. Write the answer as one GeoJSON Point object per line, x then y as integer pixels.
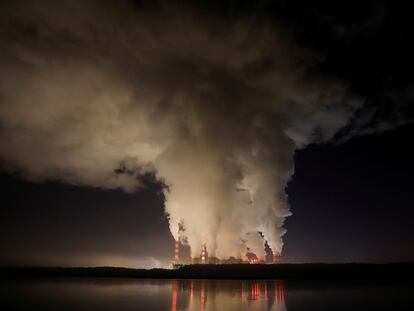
{"type": "Point", "coordinates": [206, 295]}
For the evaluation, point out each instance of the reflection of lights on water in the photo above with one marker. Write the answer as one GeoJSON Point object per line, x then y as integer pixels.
{"type": "Point", "coordinates": [280, 292]}
{"type": "Point", "coordinates": [242, 292]}
{"type": "Point", "coordinates": [184, 293]}
{"type": "Point", "coordinates": [255, 291]}
{"type": "Point", "coordinates": [202, 296]}
{"type": "Point", "coordinates": [191, 293]}
{"type": "Point", "coordinates": [174, 286]}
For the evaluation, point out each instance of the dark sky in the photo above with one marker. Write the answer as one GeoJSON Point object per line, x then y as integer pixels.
{"type": "Point", "coordinates": [350, 196]}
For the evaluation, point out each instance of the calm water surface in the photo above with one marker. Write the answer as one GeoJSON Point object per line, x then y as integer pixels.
{"type": "Point", "coordinates": [206, 295]}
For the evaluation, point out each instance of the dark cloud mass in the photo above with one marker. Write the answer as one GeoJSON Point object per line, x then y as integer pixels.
{"type": "Point", "coordinates": [99, 94]}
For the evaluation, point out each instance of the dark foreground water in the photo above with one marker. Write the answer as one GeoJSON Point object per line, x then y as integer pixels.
{"type": "Point", "coordinates": [207, 295]}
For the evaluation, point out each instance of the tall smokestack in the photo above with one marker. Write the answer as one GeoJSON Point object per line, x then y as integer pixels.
{"type": "Point", "coordinates": [203, 253]}
{"type": "Point", "coordinates": [177, 252]}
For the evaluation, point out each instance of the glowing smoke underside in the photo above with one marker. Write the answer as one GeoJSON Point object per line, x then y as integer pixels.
{"type": "Point", "coordinates": [214, 108]}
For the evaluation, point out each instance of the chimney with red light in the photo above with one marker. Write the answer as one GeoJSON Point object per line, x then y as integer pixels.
{"type": "Point", "coordinates": [203, 253]}
{"type": "Point", "coordinates": [177, 252]}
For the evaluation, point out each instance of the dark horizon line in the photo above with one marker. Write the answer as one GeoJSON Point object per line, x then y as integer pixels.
{"type": "Point", "coordinates": [402, 272]}
{"type": "Point", "coordinates": [409, 262]}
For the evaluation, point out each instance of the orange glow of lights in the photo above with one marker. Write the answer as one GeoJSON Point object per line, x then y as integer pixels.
{"type": "Point", "coordinates": [252, 291]}
{"type": "Point", "coordinates": [202, 297]}
{"type": "Point", "coordinates": [174, 296]}
{"type": "Point", "coordinates": [255, 289]}
{"type": "Point", "coordinates": [191, 292]}
{"type": "Point", "coordinates": [242, 292]}
{"type": "Point", "coordinates": [280, 292]}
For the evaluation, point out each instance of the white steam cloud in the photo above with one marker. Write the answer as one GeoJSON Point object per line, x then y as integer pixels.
{"type": "Point", "coordinates": [99, 95]}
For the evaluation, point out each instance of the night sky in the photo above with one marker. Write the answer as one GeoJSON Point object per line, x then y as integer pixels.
{"type": "Point", "coordinates": [350, 195]}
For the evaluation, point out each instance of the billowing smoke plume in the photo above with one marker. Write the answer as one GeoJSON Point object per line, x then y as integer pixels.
{"type": "Point", "coordinates": [100, 95]}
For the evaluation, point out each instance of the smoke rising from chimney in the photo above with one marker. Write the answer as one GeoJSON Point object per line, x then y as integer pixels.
{"type": "Point", "coordinates": [100, 95]}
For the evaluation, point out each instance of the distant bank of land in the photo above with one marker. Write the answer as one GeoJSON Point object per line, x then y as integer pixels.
{"type": "Point", "coordinates": [350, 271]}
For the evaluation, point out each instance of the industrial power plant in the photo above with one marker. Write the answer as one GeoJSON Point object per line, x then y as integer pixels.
{"type": "Point", "coordinates": [268, 257]}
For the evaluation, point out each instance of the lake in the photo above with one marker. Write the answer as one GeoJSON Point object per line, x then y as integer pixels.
{"type": "Point", "coordinates": [205, 295]}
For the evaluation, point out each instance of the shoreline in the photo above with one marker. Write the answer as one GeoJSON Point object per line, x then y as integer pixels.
{"type": "Point", "coordinates": [311, 271]}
